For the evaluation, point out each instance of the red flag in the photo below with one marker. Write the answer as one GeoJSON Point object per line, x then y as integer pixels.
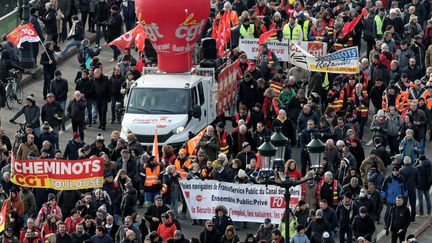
{"type": "Point", "coordinates": [224, 32]}
{"type": "Point", "coordinates": [122, 42]}
{"type": "Point", "coordinates": [3, 218]}
{"type": "Point", "coordinates": [155, 151]}
{"type": "Point", "coordinates": [23, 34]}
{"type": "Point", "coordinates": [214, 30]}
{"type": "Point", "coordinates": [140, 37]}
{"type": "Point", "coordinates": [264, 36]}
{"type": "Point", "coordinates": [351, 25]}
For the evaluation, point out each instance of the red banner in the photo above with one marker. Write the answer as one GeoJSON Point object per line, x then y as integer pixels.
{"type": "Point", "coordinates": [351, 25]}
{"type": "Point", "coordinates": [23, 34]}
{"type": "Point", "coordinates": [228, 80]}
{"type": "Point", "coordinates": [264, 36]}
{"type": "Point", "coordinates": [58, 174]}
{"type": "Point", "coordinates": [3, 216]}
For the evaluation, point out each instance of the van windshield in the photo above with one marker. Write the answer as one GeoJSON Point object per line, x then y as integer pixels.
{"type": "Point", "coordinates": [158, 101]}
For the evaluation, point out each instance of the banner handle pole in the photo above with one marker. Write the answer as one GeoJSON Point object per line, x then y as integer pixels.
{"type": "Point", "coordinates": [43, 46]}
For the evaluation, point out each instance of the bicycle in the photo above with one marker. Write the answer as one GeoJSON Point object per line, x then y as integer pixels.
{"type": "Point", "coordinates": [14, 89]}
{"type": "Point", "coordinates": [19, 135]}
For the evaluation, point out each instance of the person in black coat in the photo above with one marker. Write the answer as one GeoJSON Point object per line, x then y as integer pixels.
{"type": "Point", "coordinates": [111, 227]}
{"type": "Point", "coordinates": [49, 64]}
{"type": "Point", "coordinates": [247, 92]}
{"type": "Point", "coordinates": [116, 81]}
{"type": "Point", "coordinates": [317, 227]}
{"type": "Point", "coordinates": [76, 112]}
{"type": "Point", "coordinates": [154, 213]}
{"type": "Point", "coordinates": [129, 201]}
{"type": "Point", "coordinates": [363, 225]}
{"type": "Point", "coordinates": [346, 211]}
{"type": "Point", "coordinates": [114, 28]}
{"type": "Point", "coordinates": [59, 87]}
{"type": "Point", "coordinates": [102, 10]}
{"type": "Point", "coordinates": [221, 220]}
{"type": "Point", "coordinates": [102, 95]}
{"type": "Point", "coordinates": [50, 22]}
{"type": "Point", "coordinates": [128, 12]}
{"type": "Point", "coordinates": [75, 36]}
{"type": "Point", "coordinates": [423, 182]}
{"type": "Point", "coordinates": [85, 86]}
{"type": "Point", "coordinates": [73, 146]}
{"type": "Point", "coordinates": [210, 234]}
{"type": "Point", "coordinates": [51, 112]}
{"type": "Point", "coordinates": [38, 28]}
{"type": "Point", "coordinates": [398, 220]}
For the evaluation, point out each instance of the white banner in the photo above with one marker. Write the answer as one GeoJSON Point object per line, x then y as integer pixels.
{"type": "Point", "coordinates": [342, 61]}
{"type": "Point", "coordinates": [244, 202]}
{"type": "Point", "coordinates": [280, 48]}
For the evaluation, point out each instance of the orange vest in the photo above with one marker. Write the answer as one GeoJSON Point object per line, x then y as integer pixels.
{"type": "Point", "coordinates": [181, 171]}
{"type": "Point", "coordinates": [363, 109]}
{"type": "Point", "coordinates": [152, 177]}
{"type": "Point", "coordinates": [337, 104]}
{"type": "Point", "coordinates": [224, 147]}
{"type": "Point", "coordinates": [428, 99]}
{"type": "Point", "coordinates": [402, 101]}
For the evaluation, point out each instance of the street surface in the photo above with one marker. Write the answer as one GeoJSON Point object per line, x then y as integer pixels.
{"type": "Point", "coordinates": [69, 69]}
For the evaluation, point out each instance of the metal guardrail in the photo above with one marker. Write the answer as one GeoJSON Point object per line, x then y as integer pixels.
{"type": "Point", "coordinates": [11, 20]}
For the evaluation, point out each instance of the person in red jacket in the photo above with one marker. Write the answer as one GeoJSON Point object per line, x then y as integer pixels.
{"type": "Point", "coordinates": [166, 229]}
{"type": "Point", "coordinates": [291, 170]}
{"type": "Point", "coordinates": [386, 57]}
{"type": "Point", "coordinates": [72, 221]}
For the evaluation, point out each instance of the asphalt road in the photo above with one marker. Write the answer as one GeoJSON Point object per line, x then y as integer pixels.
{"type": "Point", "coordinates": [69, 69]}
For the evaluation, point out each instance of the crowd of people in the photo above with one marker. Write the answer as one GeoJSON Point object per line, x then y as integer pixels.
{"type": "Point", "coordinates": [353, 186]}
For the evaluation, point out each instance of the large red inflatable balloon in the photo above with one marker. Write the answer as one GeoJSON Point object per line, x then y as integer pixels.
{"type": "Point", "coordinates": [173, 27]}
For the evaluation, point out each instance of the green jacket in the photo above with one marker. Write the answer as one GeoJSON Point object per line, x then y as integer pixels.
{"type": "Point", "coordinates": [285, 97]}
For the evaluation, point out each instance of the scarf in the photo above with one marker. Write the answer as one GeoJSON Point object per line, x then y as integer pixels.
{"type": "Point", "coordinates": [72, 30]}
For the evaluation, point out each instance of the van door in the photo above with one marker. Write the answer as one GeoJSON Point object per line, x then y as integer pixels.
{"type": "Point", "coordinates": [198, 100]}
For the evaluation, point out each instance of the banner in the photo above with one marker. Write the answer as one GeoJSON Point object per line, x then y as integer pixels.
{"type": "Point", "coordinates": [342, 61]}
{"type": "Point", "coordinates": [193, 142]}
{"type": "Point", "coordinates": [3, 215]}
{"type": "Point", "coordinates": [244, 202]}
{"type": "Point", "coordinates": [23, 34]}
{"type": "Point", "coordinates": [228, 80]}
{"type": "Point", "coordinates": [58, 174]}
{"type": "Point", "coordinates": [280, 48]}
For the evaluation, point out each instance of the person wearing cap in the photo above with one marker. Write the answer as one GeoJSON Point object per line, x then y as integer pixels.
{"type": "Point", "coordinates": [264, 231]}
{"type": "Point", "coordinates": [398, 220]}
{"type": "Point", "coordinates": [49, 135]}
{"type": "Point", "coordinates": [403, 54]}
{"type": "Point", "coordinates": [299, 236]}
{"type": "Point", "coordinates": [8, 236]}
{"type": "Point", "coordinates": [151, 180]}
{"type": "Point", "coordinates": [114, 29]}
{"type": "Point", "coordinates": [419, 51]}
{"type": "Point", "coordinates": [31, 114]}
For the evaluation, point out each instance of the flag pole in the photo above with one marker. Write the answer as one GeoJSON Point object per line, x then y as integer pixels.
{"type": "Point", "coordinates": [43, 46]}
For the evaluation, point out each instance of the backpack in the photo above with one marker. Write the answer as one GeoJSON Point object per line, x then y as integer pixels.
{"type": "Point", "coordinates": [81, 55]}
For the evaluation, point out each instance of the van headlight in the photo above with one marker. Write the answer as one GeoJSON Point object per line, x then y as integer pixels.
{"type": "Point", "coordinates": [179, 129]}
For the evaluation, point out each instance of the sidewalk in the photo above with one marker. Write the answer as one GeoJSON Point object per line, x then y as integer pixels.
{"type": "Point", "coordinates": [29, 75]}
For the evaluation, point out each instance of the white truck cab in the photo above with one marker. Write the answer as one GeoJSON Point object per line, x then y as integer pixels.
{"type": "Point", "coordinates": [174, 104]}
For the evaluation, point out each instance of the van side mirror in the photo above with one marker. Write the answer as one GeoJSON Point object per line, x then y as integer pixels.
{"type": "Point", "coordinates": [196, 111]}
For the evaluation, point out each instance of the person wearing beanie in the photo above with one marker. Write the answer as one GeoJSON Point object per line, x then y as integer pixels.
{"type": "Point", "coordinates": [52, 112]}
{"type": "Point", "coordinates": [241, 177]}
{"type": "Point", "coordinates": [393, 186]}
{"type": "Point", "coordinates": [317, 227]}
{"type": "Point", "coordinates": [219, 172]}
{"type": "Point", "coordinates": [99, 146]}
{"type": "Point", "coordinates": [409, 173]}
{"type": "Point", "coordinates": [50, 207]}
{"type": "Point", "coordinates": [73, 146]}
{"type": "Point", "coordinates": [424, 182]}
{"type": "Point", "coordinates": [31, 114]}
{"type": "Point", "coordinates": [302, 212]}
{"type": "Point", "coordinates": [363, 225]}
{"type": "Point", "coordinates": [299, 236]}
{"type": "Point", "coordinates": [345, 212]}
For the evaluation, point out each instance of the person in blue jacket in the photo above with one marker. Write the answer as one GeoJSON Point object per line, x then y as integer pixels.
{"type": "Point", "coordinates": [393, 186]}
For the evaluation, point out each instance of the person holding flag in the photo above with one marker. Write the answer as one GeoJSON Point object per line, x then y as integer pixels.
{"type": "Point", "coordinates": [150, 180]}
